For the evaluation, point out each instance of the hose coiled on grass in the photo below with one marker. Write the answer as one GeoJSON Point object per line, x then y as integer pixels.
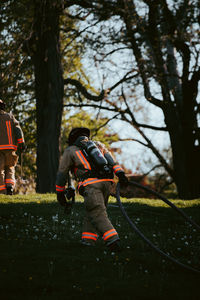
{"type": "Point", "coordinates": [134, 227]}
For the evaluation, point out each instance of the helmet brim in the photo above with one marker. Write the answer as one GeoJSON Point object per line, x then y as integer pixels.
{"type": "Point", "coordinates": [76, 132]}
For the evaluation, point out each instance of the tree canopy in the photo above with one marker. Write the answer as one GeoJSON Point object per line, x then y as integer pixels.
{"type": "Point", "coordinates": [146, 54]}
{"type": "Point", "coordinates": [153, 45]}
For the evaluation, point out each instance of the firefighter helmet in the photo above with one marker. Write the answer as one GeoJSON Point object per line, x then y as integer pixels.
{"type": "Point", "coordinates": [2, 105]}
{"type": "Point", "coordinates": [76, 132]}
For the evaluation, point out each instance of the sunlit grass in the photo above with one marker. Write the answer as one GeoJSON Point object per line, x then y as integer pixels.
{"type": "Point", "coordinates": [51, 197]}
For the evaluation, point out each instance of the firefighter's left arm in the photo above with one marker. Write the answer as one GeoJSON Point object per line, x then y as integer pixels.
{"type": "Point", "coordinates": [62, 176]}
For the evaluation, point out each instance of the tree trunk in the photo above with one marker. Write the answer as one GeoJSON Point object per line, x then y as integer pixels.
{"type": "Point", "coordinates": [49, 93]}
{"type": "Point", "coordinates": [186, 156]}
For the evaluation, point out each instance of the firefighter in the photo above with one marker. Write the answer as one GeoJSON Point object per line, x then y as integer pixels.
{"type": "Point", "coordinates": [93, 167]}
{"type": "Point", "coordinates": [11, 140]}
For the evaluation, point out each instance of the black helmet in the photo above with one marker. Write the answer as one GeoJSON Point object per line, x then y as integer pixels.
{"type": "Point", "coordinates": [2, 105]}
{"type": "Point", "coordinates": [76, 132]}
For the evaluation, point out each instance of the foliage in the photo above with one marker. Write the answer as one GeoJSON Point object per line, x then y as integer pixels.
{"type": "Point", "coordinates": [98, 127]}
{"type": "Point", "coordinates": [16, 75]}
{"type": "Point", "coordinates": [41, 255]}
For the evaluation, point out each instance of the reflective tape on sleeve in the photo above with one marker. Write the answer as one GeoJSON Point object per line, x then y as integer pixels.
{"type": "Point", "coordinates": [20, 141]}
{"type": "Point", "coordinates": [60, 188]}
{"type": "Point", "coordinates": [117, 169]}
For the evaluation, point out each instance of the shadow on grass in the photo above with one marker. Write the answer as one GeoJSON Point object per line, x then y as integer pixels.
{"type": "Point", "coordinates": [41, 256]}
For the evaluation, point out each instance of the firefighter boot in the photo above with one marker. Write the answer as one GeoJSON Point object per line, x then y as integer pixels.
{"type": "Point", "coordinates": [115, 246]}
{"type": "Point", "coordinates": [86, 243]}
{"type": "Point", "coordinates": [9, 190]}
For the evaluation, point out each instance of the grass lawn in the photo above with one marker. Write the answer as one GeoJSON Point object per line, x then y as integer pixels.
{"type": "Point", "coordinates": [41, 256]}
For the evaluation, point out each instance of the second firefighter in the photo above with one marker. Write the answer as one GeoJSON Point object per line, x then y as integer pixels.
{"type": "Point", "coordinates": [93, 167]}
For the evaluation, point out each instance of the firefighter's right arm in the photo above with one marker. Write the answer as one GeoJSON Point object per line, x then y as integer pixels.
{"type": "Point", "coordinates": [62, 175]}
{"type": "Point", "coordinates": [117, 169]}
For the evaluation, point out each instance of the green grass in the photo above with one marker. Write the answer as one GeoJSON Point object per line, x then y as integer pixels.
{"type": "Point", "coordinates": [41, 256]}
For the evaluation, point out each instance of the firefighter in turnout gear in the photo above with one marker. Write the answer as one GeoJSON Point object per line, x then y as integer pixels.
{"type": "Point", "coordinates": [11, 140]}
{"type": "Point", "coordinates": [93, 168]}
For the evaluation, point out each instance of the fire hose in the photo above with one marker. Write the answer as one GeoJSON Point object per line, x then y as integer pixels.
{"type": "Point", "coordinates": [134, 227]}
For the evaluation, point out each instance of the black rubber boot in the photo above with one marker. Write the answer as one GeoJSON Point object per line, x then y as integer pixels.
{"type": "Point", "coordinates": [115, 246]}
{"type": "Point", "coordinates": [86, 243]}
{"type": "Point", "coordinates": [9, 190]}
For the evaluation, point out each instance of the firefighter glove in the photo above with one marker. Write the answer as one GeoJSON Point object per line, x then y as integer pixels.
{"type": "Point", "coordinates": [123, 180]}
{"type": "Point", "coordinates": [70, 192]}
{"type": "Point", "coordinates": [61, 198]}
{"type": "Point", "coordinates": [21, 147]}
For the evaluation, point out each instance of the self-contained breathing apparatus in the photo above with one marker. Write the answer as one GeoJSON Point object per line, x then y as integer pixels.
{"type": "Point", "coordinates": [101, 165]}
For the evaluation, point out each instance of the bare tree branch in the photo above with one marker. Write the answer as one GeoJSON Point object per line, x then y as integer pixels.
{"type": "Point", "coordinates": [130, 11]}
{"type": "Point", "coordinates": [133, 121]}
{"type": "Point", "coordinates": [102, 126]}
{"type": "Point", "coordinates": [157, 153]}
{"type": "Point", "coordinates": [133, 140]}
{"type": "Point", "coordinates": [83, 90]}
{"type": "Point", "coordinates": [100, 97]}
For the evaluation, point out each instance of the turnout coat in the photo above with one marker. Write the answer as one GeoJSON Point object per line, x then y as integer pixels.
{"type": "Point", "coordinates": [74, 160]}
{"type": "Point", "coordinates": [10, 132]}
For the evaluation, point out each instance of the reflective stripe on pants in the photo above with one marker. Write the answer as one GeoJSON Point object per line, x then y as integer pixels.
{"type": "Point", "coordinates": [89, 235]}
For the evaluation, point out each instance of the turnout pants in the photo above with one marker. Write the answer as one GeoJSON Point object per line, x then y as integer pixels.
{"type": "Point", "coordinates": [8, 161]}
{"type": "Point", "coordinates": [96, 221]}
